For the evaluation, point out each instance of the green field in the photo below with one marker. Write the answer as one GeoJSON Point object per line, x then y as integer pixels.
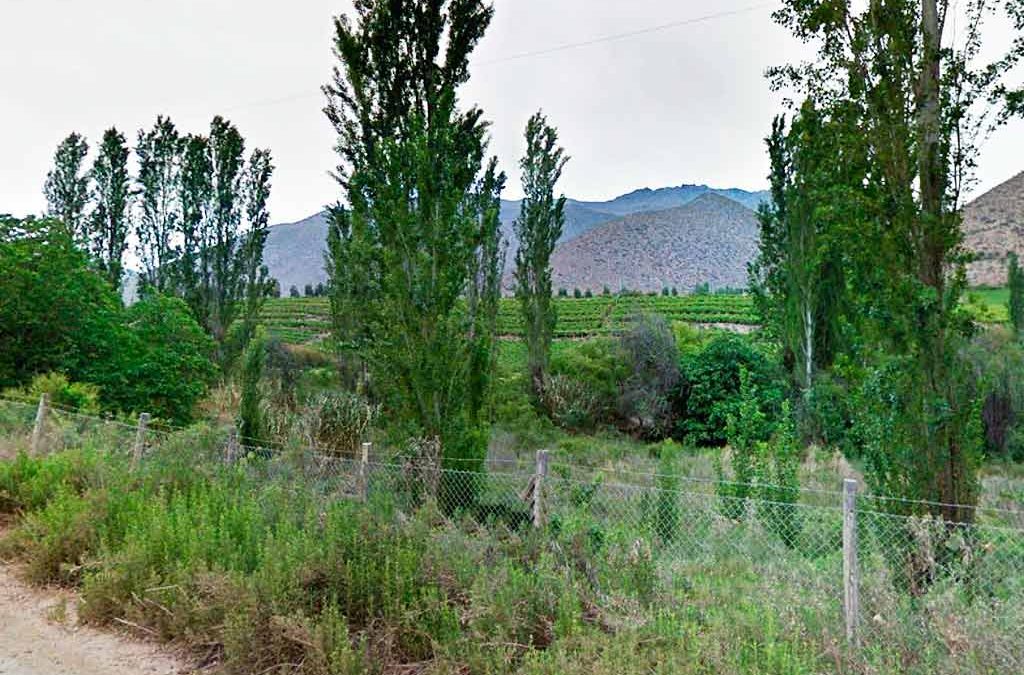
{"type": "Point", "coordinates": [304, 320]}
{"type": "Point", "coordinates": [989, 304]}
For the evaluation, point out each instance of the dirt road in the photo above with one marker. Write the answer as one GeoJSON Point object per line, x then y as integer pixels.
{"type": "Point", "coordinates": [38, 636]}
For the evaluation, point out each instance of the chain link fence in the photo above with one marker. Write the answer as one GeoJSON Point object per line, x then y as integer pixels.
{"type": "Point", "coordinates": [839, 568]}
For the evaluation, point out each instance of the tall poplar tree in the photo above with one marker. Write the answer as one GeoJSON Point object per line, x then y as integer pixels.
{"type": "Point", "coordinates": [67, 185]}
{"type": "Point", "coordinates": [915, 108]}
{"type": "Point", "coordinates": [110, 221]}
{"type": "Point", "coordinates": [1015, 304]}
{"type": "Point", "coordinates": [538, 229]}
{"type": "Point", "coordinates": [159, 153]}
{"type": "Point", "coordinates": [415, 251]}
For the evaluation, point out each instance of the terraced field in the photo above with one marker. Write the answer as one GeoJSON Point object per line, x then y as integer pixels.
{"type": "Point", "coordinates": [307, 320]}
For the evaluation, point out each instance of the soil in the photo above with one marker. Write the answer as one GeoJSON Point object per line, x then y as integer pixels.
{"type": "Point", "coordinates": [39, 635]}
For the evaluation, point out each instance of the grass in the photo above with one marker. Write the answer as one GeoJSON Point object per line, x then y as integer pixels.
{"type": "Point", "coordinates": [268, 566]}
{"type": "Point", "coordinates": [989, 305]}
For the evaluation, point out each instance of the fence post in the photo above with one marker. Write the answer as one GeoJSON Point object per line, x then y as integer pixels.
{"type": "Point", "coordinates": [231, 448]}
{"type": "Point", "coordinates": [140, 440]}
{"type": "Point", "coordinates": [39, 429]}
{"type": "Point", "coordinates": [362, 484]}
{"type": "Point", "coordinates": [538, 488]}
{"type": "Point", "coordinates": [851, 571]}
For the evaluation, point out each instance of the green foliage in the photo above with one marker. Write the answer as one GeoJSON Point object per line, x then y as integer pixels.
{"type": "Point", "coordinates": [337, 423]}
{"type": "Point", "coordinates": [56, 314]}
{"type": "Point", "coordinates": [778, 477]}
{"type": "Point", "coordinates": [747, 430]}
{"type": "Point", "coordinates": [667, 519]}
{"type": "Point", "coordinates": [159, 152]}
{"type": "Point", "coordinates": [109, 222]}
{"type": "Point", "coordinates": [251, 427]}
{"type": "Point", "coordinates": [647, 394]}
{"type": "Point", "coordinates": [711, 386]}
{"type": "Point", "coordinates": [538, 229]}
{"type": "Point", "coordinates": [161, 364]}
{"type": "Point", "coordinates": [63, 393]}
{"type": "Point", "coordinates": [67, 186]}
{"type": "Point", "coordinates": [1015, 304]}
{"type": "Point", "coordinates": [415, 256]}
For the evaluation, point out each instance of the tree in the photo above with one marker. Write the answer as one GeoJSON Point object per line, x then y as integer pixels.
{"type": "Point", "coordinates": [797, 279]}
{"type": "Point", "coordinates": [159, 152]}
{"type": "Point", "coordinates": [538, 228]}
{"type": "Point", "coordinates": [258, 284]}
{"type": "Point", "coordinates": [905, 102]}
{"type": "Point", "coordinates": [220, 271]}
{"type": "Point", "coordinates": [67, 185]}
{"type": "Point", "coordinates": [110, 221]}
{"type": "Point", "coordinates": [415, 255]}
{"type": "Point", "coordinates": [163, 365]}
{"type": "Point", "coordinates": [1015, 305]}
{"type": "Point", "coordinates": [56, 313]}
{"type": "Point", "coordinates": [293, 292]}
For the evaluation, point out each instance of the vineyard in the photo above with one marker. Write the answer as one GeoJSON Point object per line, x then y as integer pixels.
{"type": "Point", "coordinates": [305, 320]}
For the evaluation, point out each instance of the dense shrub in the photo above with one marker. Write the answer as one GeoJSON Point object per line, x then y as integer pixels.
{"type": "Point", "coordinates": [595, 369]}
{"type": "Point", "coordinates": [62, 392]}
{"type": "Point", "coordinates": [652, 359]}
{"type": "Point", "coordinates": [711, 384]}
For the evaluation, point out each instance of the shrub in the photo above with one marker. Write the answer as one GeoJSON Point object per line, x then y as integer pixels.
{"type": "Point", "coordinates": [711, 385]}
{"type": "Point", "coordinates": [571, 403]}
{"type": "Point", "coordinates": [336, 423]}
{"type": "Point", "coordinates": [594, 369]}
{"type": "Point", "coordinates": [652, 358]}
{"type": "Point", "coordinates": [63, 393]}
{"type": "Point", "coordinates": [251, 426]}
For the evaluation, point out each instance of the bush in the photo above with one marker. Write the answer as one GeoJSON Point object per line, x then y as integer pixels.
{"type": "Point", "coordinates": [711, 384]}
{"type": "Point", "coordinates": [591, 373]}
{"type": "Point", "coordinates": [337, 423]}
{"type": "Point", "coordinates": [571, 403]}
{"type": "Point", "coordinates": [652, 358]}
{"type": "Point", "coordinates": [63, 393]}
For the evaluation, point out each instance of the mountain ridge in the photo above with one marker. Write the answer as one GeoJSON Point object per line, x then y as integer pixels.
{"type": "Point", "coordinates": [294, 251]}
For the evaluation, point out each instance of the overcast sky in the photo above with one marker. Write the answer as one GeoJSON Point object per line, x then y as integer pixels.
{"type": "Point", "coordinates": [688, 104]}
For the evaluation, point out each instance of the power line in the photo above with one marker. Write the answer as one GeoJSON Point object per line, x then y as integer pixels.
{"type": "Point", "coordinates": [630, 34]}
{"type": "Point", "coordinates": [614, 37]}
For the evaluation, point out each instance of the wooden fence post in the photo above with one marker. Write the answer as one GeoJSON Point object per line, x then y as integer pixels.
{"type": "Point", "coordinates": [538, 488]}
{"type": "Point", "coordinates": [851, 571]}
{"type": "Point", "coordinates": [140, 440]}
{"type": "Point", "coordinates": [232, 449]}
{"type": "Point", "coordinates": [362, 482]}
{"type": "Point", "coordinates": [40, 428]}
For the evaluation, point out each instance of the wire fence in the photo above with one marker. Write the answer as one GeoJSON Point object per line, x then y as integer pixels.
{"type": "Point", "coordinates": [834, 565]}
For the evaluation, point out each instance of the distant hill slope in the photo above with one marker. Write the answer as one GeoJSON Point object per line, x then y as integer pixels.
{"type": "Point", "coordinates": [294, 251]}
{"type": "Point", "coordinates": [994, 225]}
{"type": "Point", "coordinates": [294, 254]}
{"type": "Point", "coordinates": [710, 240]}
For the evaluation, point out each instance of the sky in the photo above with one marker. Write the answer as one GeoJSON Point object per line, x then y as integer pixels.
{"type": "Point", "coordinates": [682, 104]}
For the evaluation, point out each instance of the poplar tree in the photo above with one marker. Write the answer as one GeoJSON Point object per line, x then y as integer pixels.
{"type": "Point", "coordinates": [538, 229]}
{"type": "Point", "coordinates": [110, 221]}
{"type": "Point", "coordinates": [159, 153]}
{"type": "Point", "coordinates": [67, 186]}
{"type": "Point", "coordinates": [1015, 304]}
{"type": "Point", "coordinates": [913, 107]}
{"type": "Point", "coordinates": [415, 251]}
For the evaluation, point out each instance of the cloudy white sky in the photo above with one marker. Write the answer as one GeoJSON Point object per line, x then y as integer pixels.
{"type": "Point", "coordinates": [687, 104]}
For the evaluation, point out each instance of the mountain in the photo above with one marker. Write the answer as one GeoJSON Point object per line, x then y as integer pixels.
{"type": "Point", "coordinates": [294, 251]}
{"type": "Point", "coordinates": [709, 240]}
{"type": "Point", "coordinates": [994, 225]}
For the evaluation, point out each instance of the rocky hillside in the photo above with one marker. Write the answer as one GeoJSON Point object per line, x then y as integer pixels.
{"type": "Point", "coordinates": [294, 252]}
{"type": "Point", "coordinates": [710, 240]}
{"type": "Point", "coordinates": [994, 225]}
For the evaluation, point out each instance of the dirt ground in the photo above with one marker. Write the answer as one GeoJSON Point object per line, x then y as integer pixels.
{"type": "Point", "coordinates": [39, 636]}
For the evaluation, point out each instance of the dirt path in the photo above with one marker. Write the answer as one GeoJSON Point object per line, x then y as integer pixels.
{"type": "Point", "coordinates": [38, 636]}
